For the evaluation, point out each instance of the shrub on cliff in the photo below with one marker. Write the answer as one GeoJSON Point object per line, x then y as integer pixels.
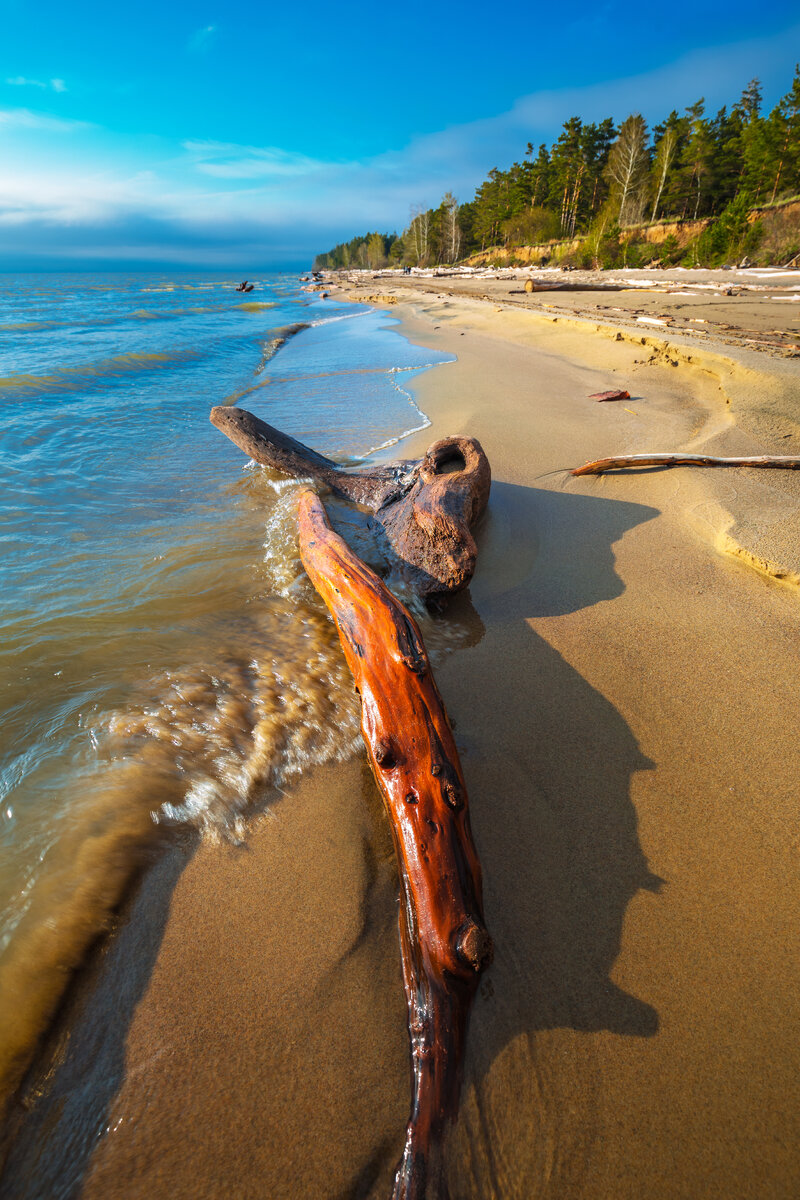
{"type": "Point", "coordinates": [730, 237]}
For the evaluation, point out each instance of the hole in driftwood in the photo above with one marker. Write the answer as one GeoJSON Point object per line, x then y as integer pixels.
{"type": "Point", "coordinates": [452, 462]}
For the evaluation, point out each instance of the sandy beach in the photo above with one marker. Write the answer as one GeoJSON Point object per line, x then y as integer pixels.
{"type": "Point", "coordinates": [622, 679]}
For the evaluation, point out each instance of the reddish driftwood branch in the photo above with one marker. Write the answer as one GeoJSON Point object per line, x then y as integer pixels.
{"type": "Point", "coordinates": [425, 508]}
{"type": "Point", "coordinates": [788, 461]}
{"type": "Point", "coordinates": [443, 939]}
{"type": "Point", "coordinates": [600, 397]}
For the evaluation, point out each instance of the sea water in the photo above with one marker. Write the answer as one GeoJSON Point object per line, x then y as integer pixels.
{"type": "Point", "coordinates": [164, 664]}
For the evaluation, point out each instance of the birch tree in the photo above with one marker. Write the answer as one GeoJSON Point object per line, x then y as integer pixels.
{"type": "Point", "coordinates": [451, 230]}
{"type": "Point", "coordinates": [627, 168]}
{"type": "Point", "coordinates": [665, 156]}
{"type": "Point", "coordinates": [416, 236]}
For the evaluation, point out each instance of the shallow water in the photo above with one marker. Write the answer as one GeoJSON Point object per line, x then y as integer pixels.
{"type": "Point", "coordinates": [164, 663]}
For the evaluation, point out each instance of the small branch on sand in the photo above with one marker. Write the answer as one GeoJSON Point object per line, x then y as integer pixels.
{"type": "Point", "coordinates": [789, 462]}
{"type": "Point", "coordinates": [443, 939]}
{"type": "Point", "coordinates": [600, 397]}
{"type": "Point", "coordinates": [425, 509]}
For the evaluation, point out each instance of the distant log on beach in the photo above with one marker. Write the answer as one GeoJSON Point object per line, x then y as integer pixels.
{"type": "Point", "coordinates": [788, 461]}
{"type": "Point", "coordinates": [443, 939]}
{"type": "Point", "coordinates": [424, 508]}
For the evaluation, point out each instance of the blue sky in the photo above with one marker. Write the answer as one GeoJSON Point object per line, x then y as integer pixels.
{"type": "Point", "coordinates": [245, 136]}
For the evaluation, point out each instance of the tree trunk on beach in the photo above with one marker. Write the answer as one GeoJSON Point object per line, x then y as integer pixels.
{"type": "Point", "coordinates": [443, 939]}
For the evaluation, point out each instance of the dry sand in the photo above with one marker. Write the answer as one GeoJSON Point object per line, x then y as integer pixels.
{"type": "Point", "coordinates": [626, 711]}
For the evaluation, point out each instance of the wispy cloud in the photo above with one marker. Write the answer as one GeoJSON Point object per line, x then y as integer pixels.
{"type": "Point", "coordinates": [55, 85]}
{"type": "Point", "coordinates": [201, 38]}
{"type": "Point", "coordinates": [227, 160]}
{"type": "Point", "coordinates": [23, 118]}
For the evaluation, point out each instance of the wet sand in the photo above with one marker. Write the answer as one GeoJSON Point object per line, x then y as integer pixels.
{"type": "Point", "coordinates": [625, 705]}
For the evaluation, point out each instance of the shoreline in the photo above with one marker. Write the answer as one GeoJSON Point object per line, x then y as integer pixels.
{"type": "Point", "coordinates": [623, 700]}
{"type": "Point", "coordinates": [756, 413]}
{"type": "Point", "coordinates": [147, 749]}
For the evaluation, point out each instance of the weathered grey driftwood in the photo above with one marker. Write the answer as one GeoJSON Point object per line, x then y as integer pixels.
{"type": "Point", "coordinates": [424, 508]}
{"type": "Point", "coordinates": [789, 462]}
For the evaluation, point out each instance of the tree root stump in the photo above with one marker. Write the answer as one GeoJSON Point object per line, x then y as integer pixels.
{"type": "Point", "coordinates": [443, 938]}
{"type": "Point", "coordinates": [424, 509]}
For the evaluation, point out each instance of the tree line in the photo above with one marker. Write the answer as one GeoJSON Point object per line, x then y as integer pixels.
{"type": "Point", "coordinates": [598, 180]}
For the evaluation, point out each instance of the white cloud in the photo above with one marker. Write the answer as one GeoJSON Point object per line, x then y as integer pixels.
{"type": "Point", "coordinates": [57, 85]}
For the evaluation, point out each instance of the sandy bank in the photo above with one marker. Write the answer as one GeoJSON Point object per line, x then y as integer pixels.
{"type": "Point", "coordinates": [756, 309]}
{"type": "Point", "coordinates": [625, 707]}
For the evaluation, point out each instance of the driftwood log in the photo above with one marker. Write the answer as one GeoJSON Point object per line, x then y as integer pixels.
{"type": "Point", "coordinates": [425, 508]}
{"type": "Point", "coordinates": [598, 466]}
{"type": "Point", "coordinates": [443, 939]}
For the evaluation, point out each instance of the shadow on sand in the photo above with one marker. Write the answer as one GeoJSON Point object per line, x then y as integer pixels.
{"type": "Point", "coordinates": [549, 763]}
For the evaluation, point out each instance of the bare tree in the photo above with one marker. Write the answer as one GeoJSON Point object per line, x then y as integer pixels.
{"type": "Point", "coordinates": [418, 230]}
{"type": "Point", "coordinates": [627, 168]}
{"type": "Point", "coordinates": [665, 155]}
{"type": "Point", "coordinates": [452, 232]}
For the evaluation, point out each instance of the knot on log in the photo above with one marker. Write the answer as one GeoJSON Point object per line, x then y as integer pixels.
{"type": "Point", "coordinates": [474, 946]}
{"type": "Point", "coordinates": [452, 796]}
{"type": "Point", "coordinates": [384, 754]}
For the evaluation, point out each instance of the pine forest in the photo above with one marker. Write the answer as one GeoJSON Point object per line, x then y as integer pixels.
{"type": "Point", "coordinates": [698, 189]}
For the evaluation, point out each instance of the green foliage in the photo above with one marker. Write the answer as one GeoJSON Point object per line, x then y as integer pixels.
{"type": "Point", "coordinates": [530, 226]}
{"type": "Point", "coordinates": [730, 237]}
{"type": "Point", "coordinates": [780, 235]}
{"type": "Point", "coordinates": [670, 252]}
{"type": "Point", "coordinates": [368, 250]}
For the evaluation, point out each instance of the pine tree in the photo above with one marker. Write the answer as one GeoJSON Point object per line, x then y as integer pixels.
{"type": "Point", "coordinates": [787, 128]}
{"type": "Point", "coordinates": [376, 256]}
{"type": "Point", "coordinates": [567, 169]}
{"type": "Point", "coordinates": [726, 134]}
{"type": "Point", "coordinates": [695, 160]}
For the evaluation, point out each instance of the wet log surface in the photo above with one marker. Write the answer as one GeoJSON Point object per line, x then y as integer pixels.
{"type": "Point", "coordinates": [424, 509]}
{"type": "Point", "coordinates": [444, 942]}
{"type": "Point", "coordinates": [788, 462]}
